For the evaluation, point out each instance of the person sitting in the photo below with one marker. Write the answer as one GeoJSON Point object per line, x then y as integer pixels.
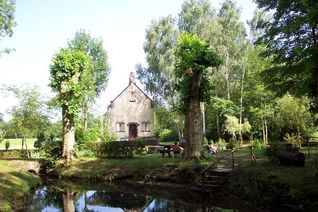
{"type": "Point", "coordinates": [212, 150]}
{"type": "Point", "coordinates": [177, 149]}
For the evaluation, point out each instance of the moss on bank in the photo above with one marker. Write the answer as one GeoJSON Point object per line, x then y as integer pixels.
{"type": "Point", "coordinates": [15, 186]}
{"type": "Point", "coordinates": [147, 168]}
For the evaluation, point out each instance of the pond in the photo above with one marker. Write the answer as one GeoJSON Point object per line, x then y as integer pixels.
{"type": "Point", "coordinates": [125, 197]}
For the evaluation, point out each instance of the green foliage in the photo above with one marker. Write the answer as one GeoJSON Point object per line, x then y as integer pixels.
{"type": "Point", "coordinates": [40, 139]}
{"type": "Point", "coordinates": [52, 149]}
{"type": "Point", "coordinates": [30, 115]}
{"type": "Point", "coordinates": [224, 106]}
{"type": "Point", "coordinates": [291, 39]}
{"type": "Point", "coordinates": [293, 114]}
{"type": "Point", "coordinates": [168, 135]}
{"type": "Point", "coordinates": [2, 134]}
{"type": "Point", "coordinates": [93, 47]}
{"type": "Point", "coordinates": [221, 144]}
{"type": "Point", "coordinates": [7, 145]}
{"type": "Point", "coordinates": [257, 144]}
{"type": "Point", "coordinates": [293, 140]}
{"type": "Point", "coordinates": [233, 127]}
{"type": "Point", "coordinates": [159, 48]}
{"type": "Point", "coordinates": [118, 149]}
{"type": "Point", "coordinates": [195, 60]}
{"type": "Point", "coordinates": [7, 17]}
{"type": "Point", "coordinates": [71, 78]}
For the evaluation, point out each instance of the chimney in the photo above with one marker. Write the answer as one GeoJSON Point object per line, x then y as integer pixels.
{"type": "Point", "coordinates": [132, 78]}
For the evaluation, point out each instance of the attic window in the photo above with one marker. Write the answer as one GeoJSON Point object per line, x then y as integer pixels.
{"type": "Point", "coordinates": [120, 127]}
{"type": "Point", "coordinates": [132, 96]}
{"type": "Point", "coordinates": [145, 126]}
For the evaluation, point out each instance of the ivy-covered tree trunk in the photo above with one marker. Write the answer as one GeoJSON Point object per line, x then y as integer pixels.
{"type": "Point", "coordinates": [68, 134]}
{"type": "Point", "coordinates": [194, 129]}
{"type": "Point", "coordinates": [194, 120]}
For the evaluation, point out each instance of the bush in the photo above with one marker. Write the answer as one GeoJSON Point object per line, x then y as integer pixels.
{"type": "Point", "coordinates": [52, 149]}
{"type": "Point", "coordinates": [272, 150]}
{"type": "Point", "coordinates": [118, 149]}
{"type": "Point", "coordinates": [7, 145]}
{"type": "Point", "coordinates": [40, 140]}
{"type": "Point", "coordinates": [168, 135]}
{"type": "Point", "coordinates": [221, 144]}
{"type": "Point", "coordinates": [231, 144]}
{"type": "Point", "coordinates": [257, 144]}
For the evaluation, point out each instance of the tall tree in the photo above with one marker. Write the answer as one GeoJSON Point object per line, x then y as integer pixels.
{"type": "Point", "coordinates": [29, 116]}
{"type": "Point", "coordinates": [71, 77]}
{"type": "Point", "coordinates": [7, 9]}
{"type": "Point", "coordinates": [195, 60]}
{"type": "Point", "coordinates": [100, 71]}
{"type": "Point", "coordinates": [291, 39]}
{"type": "Point", "coordinates": [159, 48]}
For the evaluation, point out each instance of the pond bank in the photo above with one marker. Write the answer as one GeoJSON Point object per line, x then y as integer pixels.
{"type": "Point", "coordinates": [15, 186]}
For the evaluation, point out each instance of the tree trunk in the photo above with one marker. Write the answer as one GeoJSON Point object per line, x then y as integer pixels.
{"type": "Point", "coordinates": [218, 128]}
{"type": "Point", "coordinates": [23, 142]}
{"type": "Point", "coordinates": [241, 106]}
{"type": "Point", "coordinates": [68, 134]}
{"type": "Point", "coordinates": [266, 132]}
{"type": "Point", "coordinates": [202, 107]}
{"type": "Point", "coordinates": [194, 129]}
{"type": "Point", "coordinates": [85, 117]}
{"type": "Point", "coordinates": [227, 75]}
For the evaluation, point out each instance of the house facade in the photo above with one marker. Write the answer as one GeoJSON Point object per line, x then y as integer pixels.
{"type": "Point", "coordinates": [131, 113]}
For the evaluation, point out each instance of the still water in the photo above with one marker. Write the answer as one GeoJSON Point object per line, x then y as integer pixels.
{"type": "Point", "coordinates": [123, 198]}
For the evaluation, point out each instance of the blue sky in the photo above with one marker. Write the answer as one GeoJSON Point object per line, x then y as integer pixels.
{"type": "Point", "coordinates": [45, 26]}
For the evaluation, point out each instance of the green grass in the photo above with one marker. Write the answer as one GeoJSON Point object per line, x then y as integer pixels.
{"type": "Point", "coordinates": [15, 143]}
{"type": "Point", "coordinates": [15, 186]}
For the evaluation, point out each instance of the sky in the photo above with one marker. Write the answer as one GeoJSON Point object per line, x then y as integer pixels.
{"type": "Point", "coordinates": [44, 26]}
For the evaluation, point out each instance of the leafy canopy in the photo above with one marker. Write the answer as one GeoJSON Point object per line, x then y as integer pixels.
{"type": "Point", "coordinates": [291, 38]}
{"type": "Point", "coordinates": [71, 77]}
{"type": "Point", "coordinates": [93, 47]}
{"type": "Point", "coordinates": [195, 59]}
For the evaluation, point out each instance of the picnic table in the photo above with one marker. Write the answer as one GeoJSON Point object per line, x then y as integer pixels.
{"type": "Point", "coordinates": [166, 149]}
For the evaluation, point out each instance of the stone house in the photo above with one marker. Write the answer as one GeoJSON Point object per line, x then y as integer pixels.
{"type": "Point", "coordinates": [131, 113]}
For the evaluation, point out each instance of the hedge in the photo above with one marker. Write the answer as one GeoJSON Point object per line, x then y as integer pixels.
{"type": "Point", "coordinates": [118, 149]}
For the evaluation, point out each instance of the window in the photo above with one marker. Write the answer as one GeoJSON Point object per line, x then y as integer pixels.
{"type": "Point", "coordinates": [145, 126]}
{"type": "Point", "coordinates": [132, 96]}
{"type": "Point", "coordinates": [120, 127]}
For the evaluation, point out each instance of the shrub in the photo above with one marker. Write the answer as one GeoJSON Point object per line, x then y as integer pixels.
{"type": "Point", "coordinates": [221, 144]}
{"type": "Point", "coordinates": [231, 144]}
{"type": "Point", "coordinates": [168, 135]}
{"type": "Point", "coordinates": [272, 150]}
{"type": "Point", "coordinates": [40, 140]}
{"type": "Point", "coordinates": [118, 149]}
{"type": "Point", "coordinates": [7, 145]}
{"type": "Point", "coordinates": [52, 149]}
{"type": "Point", "coordinates": [257, 144]}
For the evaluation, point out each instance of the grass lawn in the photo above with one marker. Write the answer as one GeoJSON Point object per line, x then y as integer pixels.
{"type": "Point", "coordinates": [15, 143]}
{"type": "Point", "coordinates": [15, 186]}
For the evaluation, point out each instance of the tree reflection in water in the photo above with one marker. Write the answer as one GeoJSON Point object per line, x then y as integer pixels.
{"type": "Point", "coordinates": [71, 199]}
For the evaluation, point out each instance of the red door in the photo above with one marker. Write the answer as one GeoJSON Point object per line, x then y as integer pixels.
{"type": "Point", "coordinates": [133, 131]}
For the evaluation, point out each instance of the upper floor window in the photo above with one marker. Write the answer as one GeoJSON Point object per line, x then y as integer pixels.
{"type": "Point", "coordinates": [132, 96]}
{"type": "Point", "coordinates": [145, 126]}
{"type": "Point", "coordinates": [120, 127]}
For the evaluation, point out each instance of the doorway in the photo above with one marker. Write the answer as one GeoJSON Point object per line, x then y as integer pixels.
{"type": "Point", "coordinates": [133, 131]}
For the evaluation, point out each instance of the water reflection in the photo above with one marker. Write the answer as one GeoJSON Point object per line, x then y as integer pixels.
{"type": "Point", "coordinates": [52, 198]}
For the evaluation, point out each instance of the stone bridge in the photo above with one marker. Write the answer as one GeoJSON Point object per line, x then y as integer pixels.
{"type": "Point", "coordinates": [32, 166]}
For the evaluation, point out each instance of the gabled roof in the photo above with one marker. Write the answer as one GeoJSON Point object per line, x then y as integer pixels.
{"type": "Point", "coordinates": [125, 90]}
